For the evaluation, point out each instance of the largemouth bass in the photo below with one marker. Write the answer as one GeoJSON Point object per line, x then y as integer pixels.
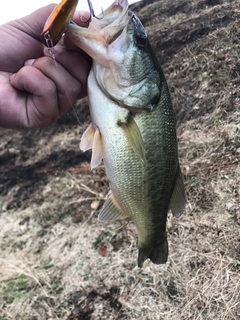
{"type": "Point", "coordinates": [133, 127]}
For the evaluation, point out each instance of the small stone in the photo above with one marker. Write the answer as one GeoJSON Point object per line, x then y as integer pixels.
{"type": "Point", "coordinates": [230, 207]}
{"type": "Point", "coordinates": [95, 205]}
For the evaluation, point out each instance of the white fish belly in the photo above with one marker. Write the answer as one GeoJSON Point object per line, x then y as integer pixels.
{"type": "Point", "coordinates": [124, 168]}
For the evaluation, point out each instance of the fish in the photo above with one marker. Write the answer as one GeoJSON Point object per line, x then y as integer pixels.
{"type": "Point", "coordinates": [133, 127]}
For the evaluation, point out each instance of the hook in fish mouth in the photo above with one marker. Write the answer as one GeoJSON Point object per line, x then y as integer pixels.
{"type": "Point", "coordinates": [92, 13]}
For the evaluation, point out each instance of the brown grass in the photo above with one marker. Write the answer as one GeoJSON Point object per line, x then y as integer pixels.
{"type": "Point", "coordinates": [58, 262]}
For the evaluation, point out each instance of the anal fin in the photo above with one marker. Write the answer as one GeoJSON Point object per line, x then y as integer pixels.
{"type": "Point", "coordinates": [111, 211]}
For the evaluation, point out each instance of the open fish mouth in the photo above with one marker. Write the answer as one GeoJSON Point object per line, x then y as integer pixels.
{"type": "Point", "coordinates": [103, 30]}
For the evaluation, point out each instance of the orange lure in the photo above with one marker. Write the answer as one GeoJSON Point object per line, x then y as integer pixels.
{"type": "Point", "coordinates": [57, 22]}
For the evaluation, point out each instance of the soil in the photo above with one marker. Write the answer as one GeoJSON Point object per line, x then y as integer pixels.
{"type": "Point", "coordinates": [58, 262]}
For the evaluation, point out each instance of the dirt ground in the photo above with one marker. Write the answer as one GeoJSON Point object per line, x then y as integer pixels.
{"type": "Point", "coordinates": [58, 262]}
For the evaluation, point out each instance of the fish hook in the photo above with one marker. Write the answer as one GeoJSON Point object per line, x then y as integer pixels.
{"type": "Point", "coordinates": [92, 13]}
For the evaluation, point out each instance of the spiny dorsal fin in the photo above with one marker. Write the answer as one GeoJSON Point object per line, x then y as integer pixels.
{"type": "Point", "coordinates": [92, 139]}
{"type": "Point", "coordinates": [134, 137]}
{"type": "Point", "coordinates": [111, 211]}
{"type": "Point", "coordinates": [177, 202]}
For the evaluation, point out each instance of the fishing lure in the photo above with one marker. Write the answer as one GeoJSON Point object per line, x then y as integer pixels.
{"type": "Point", "coordinates": [57, 23]}
{"type": "Point", "coordinates": [59, 20]}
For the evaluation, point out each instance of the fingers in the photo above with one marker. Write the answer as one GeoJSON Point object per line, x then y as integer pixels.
{"type": "Point", "coordinates": [52, 86]}
{"type": "Point", "coordinates": [68, 87]}
{"type": "Point", "coordinates": [77, 63]}
{"type": "Point", "coordinates": [46, 88]}
{"type": "Point", "coordinates": [37, 100]}
{"type": "Point", "coordinates": [33, 23]}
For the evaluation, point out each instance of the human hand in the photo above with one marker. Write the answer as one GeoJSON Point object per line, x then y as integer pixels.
{"type": "Point", "coordinates": [35, 89]}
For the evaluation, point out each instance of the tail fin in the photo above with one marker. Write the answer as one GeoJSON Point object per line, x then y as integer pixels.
{"type": "Point", "coordinates": [157, 254]}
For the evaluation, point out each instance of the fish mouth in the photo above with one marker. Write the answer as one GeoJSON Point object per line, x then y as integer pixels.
{"type": "Point", "coordinates": [103, 30]}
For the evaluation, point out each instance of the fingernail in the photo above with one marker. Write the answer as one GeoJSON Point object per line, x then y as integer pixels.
{"type": "Point", "coordinates": [29, 62]}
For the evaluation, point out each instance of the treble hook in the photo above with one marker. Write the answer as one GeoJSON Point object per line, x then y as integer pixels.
{"type": "Point", "coordinates": [92, 13]}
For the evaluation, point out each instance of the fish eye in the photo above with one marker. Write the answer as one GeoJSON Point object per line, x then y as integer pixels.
{"type": "Point", "coordinates": [141, 39]}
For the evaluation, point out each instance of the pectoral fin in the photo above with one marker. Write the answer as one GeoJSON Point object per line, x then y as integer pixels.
{"type": "Point", "coordinates": [111, 211]}
{"type": "Point", "coordinates": [87, 138]}
{"type": "Point", "coordinates": [92, 139]}
{"type": "Point", "coordinates": [134, 137]}
{"type": "Point", "coordinates": [97, 152]}
{"type": "Point", "coordinates": [177, 202]}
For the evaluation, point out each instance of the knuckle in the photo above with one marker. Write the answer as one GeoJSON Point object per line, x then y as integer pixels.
{"type": "Point", "coordinates": [75, 89]}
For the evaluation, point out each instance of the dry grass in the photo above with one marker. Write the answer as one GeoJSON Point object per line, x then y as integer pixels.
{"type": "Point", "coordinates": [58, 262]}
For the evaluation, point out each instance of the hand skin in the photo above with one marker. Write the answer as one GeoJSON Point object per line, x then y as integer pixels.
{"type": "Point", "coordinates": [36, 90]}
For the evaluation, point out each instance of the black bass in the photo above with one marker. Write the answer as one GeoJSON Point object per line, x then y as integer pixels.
{"type": "Point", "coordinates": [133, 127]}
